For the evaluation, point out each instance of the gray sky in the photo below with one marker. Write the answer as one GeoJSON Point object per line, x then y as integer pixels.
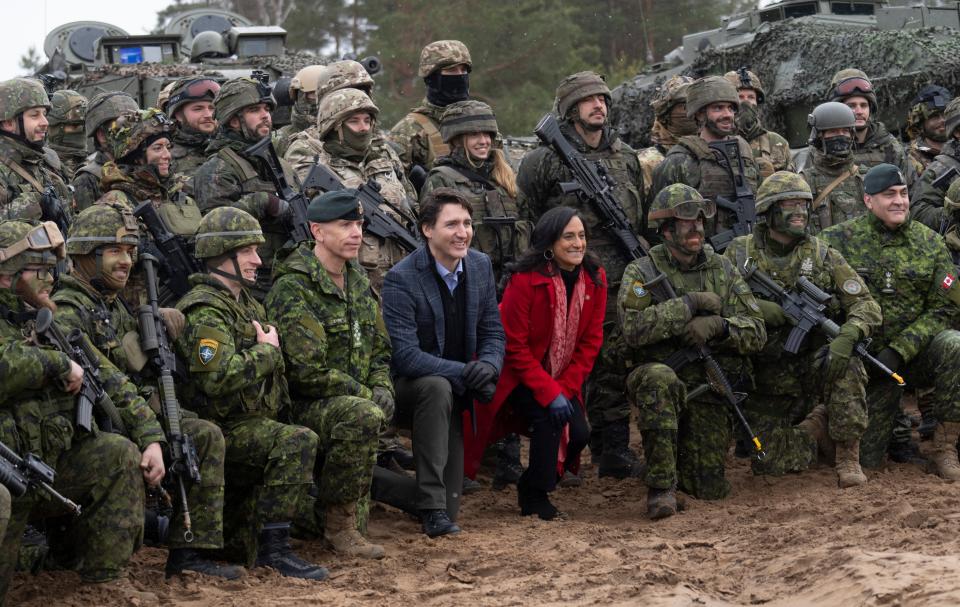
{"type": "Point", "coordinates": [26, 23]}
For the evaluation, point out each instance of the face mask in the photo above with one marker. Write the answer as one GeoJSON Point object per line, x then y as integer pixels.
{"type": "Point", "coordinates": [76, 140]}
{"type": "Point", "coordinates": [358, 142]}
{"type": "Point", "coordinates": [838, 147]}
{"type": "Point", "coordinates": [306, 109]}
{"type": "Point", "coordinates": [748, 120]}
{"type": "Point", "coordinates": [682, 125]}
{"type": "Point", "coordinates": [780, 220]}
{"type": "Point", "coordinates": [443, 90]}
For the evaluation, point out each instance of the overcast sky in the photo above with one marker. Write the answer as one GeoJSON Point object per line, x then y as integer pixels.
{"type": "Point", "coordinates": [26, 23]}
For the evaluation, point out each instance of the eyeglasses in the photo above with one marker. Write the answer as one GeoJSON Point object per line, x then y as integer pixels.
{"type": "Point", "coordinates": [43, 272]}
{"type": "Point", "coordinates": [852, 86]}
{"type": "Point", "coordinates": [44, 237]}
{"type": "Point", "coordinates": [196, 90]}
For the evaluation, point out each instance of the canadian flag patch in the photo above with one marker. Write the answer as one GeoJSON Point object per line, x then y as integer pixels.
{"type": "Point", "coordinates": [947, 282]}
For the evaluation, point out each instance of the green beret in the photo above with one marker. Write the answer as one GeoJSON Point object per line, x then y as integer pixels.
{"type": "Point", "coordinates": [338, 204]}
{"type": "Point", "coordinates": [882, 177]}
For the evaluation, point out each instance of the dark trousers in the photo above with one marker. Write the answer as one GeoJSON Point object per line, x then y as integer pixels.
{"type": "Point", "coordinates": [429, 406]}
{"type": "Point", "coordinates": [545, 438]}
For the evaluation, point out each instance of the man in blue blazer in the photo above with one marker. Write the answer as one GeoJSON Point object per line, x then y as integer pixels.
{"type": "Point", "coordinates": [440, 308]}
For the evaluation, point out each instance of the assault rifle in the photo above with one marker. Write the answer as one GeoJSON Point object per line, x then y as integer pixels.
{"type": "Point", "coordinates": [52, 209]}
{"type": "Point", "coordinates": [177, 263]}
{"type": "Point", "coordinates": [375, 220]}
{"type": "Point", "coordinates": [743, 206]}
{"type": "Point", "coordinates": [92, 393]}
{"type": "Point", "coordinates": [591, 182]}
{"type": "Point", "coordinates": [942, 183]}
{"type": "Point", "coordinates": [299, 226]}
{"type": "Point", "coordinates": [19, 474]}
{"type": "Point", "coordinates": [805, 307]}
{"type": "Point", "coordinates": [156, 345]}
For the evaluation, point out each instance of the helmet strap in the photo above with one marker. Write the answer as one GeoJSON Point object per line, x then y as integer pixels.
{"type": "Point", "coordinates": [237, 276]}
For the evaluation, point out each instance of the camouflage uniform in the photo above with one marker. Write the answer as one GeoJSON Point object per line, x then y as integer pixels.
{"type": "Point", "coordinates": [770, 150]}
{"type": "Point", "coordinates": [921, 155]}
{"type": "Point", "coordinates": [337, 351]}
{"type": "Point", "coordinates": [304, 112]}
{"type": "Point", "coordinates": [417, 135]}
{"type": "Point", "coordinates": [910, 274]}
{"type": "Point", "coordinates": [326, 143]}
{"type": "Point", "coordinates": [842, 202]}
{"type": "Point", "coordinates": [68, 109]}
{"type": "Point", "coordinates": [230, 178]}
{"type": "Point", "coordinates": [663, 134]}
{"type": "Point", "coordinates": [97, 469]}
{"type": "Point", "coordinates": [26, 169]}
{"type": "Point", "coordinates": [189, 149]}
{"type": "Point", "coordinates": [103, 109]}
{"type": "Point", "coordinates": [240, 384]}
{"type": "Point", "coordinates": [926, 203]}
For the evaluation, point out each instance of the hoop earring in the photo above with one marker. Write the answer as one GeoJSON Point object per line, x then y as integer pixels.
{"type": "Point", "coordinates": [546, 256]}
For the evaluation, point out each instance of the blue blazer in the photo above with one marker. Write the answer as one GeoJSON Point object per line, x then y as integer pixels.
{"type": "Point", "coordinates": [413, 313]}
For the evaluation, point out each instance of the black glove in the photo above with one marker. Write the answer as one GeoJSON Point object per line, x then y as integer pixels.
{"type": "Point", "coordinates": [560, 410]}
{"type": "Point", "coordinates": [891, 358]}
{"type": "Point", "coordinates": [276, 206]}
{"type": "Point", "coordinates": [476, 374]}
{"type": "Point", "coordinates": [485, 393]}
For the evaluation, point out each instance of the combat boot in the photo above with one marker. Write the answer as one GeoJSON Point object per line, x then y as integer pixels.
{"type": "Point", "coordinates": [661, 503]}
{"type": "Point", "coordinates": [274, 551]}
{"type": "Point", "coordinates": [508, 468]}
{"type": "Point", "coordinates": [815, 425]}
{"type": "Point", "coordinates": [617, 460]}
{"type": "Point", "coordinates": [340, 531]}
{"type": "Point", "coordinates": [848, 469]}
{"type": "Point", "coordinates": [945, 454]}
{"type": "Point", "coordinates": [187, 559]}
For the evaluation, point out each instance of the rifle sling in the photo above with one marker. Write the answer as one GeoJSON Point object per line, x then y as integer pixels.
{"type": "Point", "coordinates": [19, 170]}
{"type": "Point", "coordinates": [825, 193]}
{"type": "Point", "coordinates": [471, 175]}
{"type": "Point", "coordinates": [437, 145]}
{"type": "Point", "coordinates": [241, 164]}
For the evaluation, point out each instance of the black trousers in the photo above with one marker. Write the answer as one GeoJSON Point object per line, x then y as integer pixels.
{"type": "Point", "coordinates": [541, 474]}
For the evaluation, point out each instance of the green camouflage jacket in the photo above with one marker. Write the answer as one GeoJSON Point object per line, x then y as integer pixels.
{"type": "Point", "coordinates": [71, 159]}
{"type": "Point", "coordinates": [283, 135]}
{"type": "Point", "coordinates": [86, 181]}
{"type": "Point", "coordinates": [334, 342]}
{"type": "Point", "coordinates": [189, 151]}
{"type": "Point", "coordinates": [926, 201]}
{"type": "Point", "coordinates": [231, 375]}
{"type": "Point", "coordinates": [910, 274]}
{"type": "Point", "coordinates": [19, 197]}
{"type": "Point", "coordinates": [879, 147]}
{"type": "Point", "coordinates": [413, 142]}
{"type": "Point", "coordinates": [771, 153]}
{"type": "Point", "coordinates": [843, 202]}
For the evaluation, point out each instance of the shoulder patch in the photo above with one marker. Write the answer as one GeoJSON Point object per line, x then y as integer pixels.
{"type": "Point", "coordinates": [207, 350]}
{"type": "Point", "coordinates": [638, 297]}
{"type": "Point", "coordinates": [852, 286]}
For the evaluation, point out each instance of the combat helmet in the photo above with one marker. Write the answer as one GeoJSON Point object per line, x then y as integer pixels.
{"type": "Point", "coordinates": [67, 108]}
{"type": "Point", "coordinates": [344, 74]}
{"type": "Point", "coordinates": [338, 105]}
{"type": "Point", "coordinates": [745, 79]}
{"type": "Point", "coordinates": [208, 44]}
{"type": "Point", "coordinates": [669, 94]}
{"type": "Point", "coordinates": [20, 94]}
{"type": "Point", "coordinates": [951, 200]}
{"type": "Point", "coordinates": [226, 229]}
{"type": "Point", "coordinates": [106, 107]}
{"type": "Point", "coordinates": [305, 80]}
{"type": "Point", "coordinates": [852, 83]}
{"type": "Point", "coordinates": [952, 116]}
{"type": "Point", "coordinates": [239, 93]}
{"type": "Point", "coordinates": [578, 86]}
{"type": "Point", "coordinates": [830, 115]}
{"type": "Point", "coordinates": [710, 89]}
{"type": "Point", "coordinates": [443, 53]}
{"type": "Point", "coordinates": [782, 185]}
{"type": "Point", "coordinates": [28, 243]}
{"type": "Point", "coordinates": [679, 201]}
{"type": "Point", "coordinates": [467, 117]}
{"type": "Point", "coordinates": [131, 132]}
{"type": "Point", "coordinates": [930, 101]}
{"type": "Point", "coordinates": [185, 90]}
{"type": "Point", "coordinates": [99, 225]}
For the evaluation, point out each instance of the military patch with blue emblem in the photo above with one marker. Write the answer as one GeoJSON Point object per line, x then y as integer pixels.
{"type": "Point", "coordinates": [207, 350]}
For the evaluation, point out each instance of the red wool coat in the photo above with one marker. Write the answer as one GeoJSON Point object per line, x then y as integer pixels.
{"type": "Point", "coordinates": [527, 312]}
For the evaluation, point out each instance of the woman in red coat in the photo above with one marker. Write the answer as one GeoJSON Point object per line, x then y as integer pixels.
{"type": "Point", "coordinates": [552, 312]}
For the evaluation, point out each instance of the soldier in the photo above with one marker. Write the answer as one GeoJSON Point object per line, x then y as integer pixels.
{"type": "Point", "coordinates": [685, 441]}
{"type": "Point", "coordinates": [65, 133]}
{"type": "Point", "coordinates": [303, 93]}
{"type": "Point", "coordinates": [770, 150]}
{"type": "Point", "coordinates": [582, 103]}
{"type": "Point", "coordinates": [102, 110]}
{"type": "Point", "coordinates": [669, 125]}
{"type": "Point", "coordinates": [343, 141]}
{"type": "Point", "coordinates": [102, 245]}
{"type": "Point", "coordinates": [445, 67]}
{"type": "Point", "coordinates": [237, 380]}
{"type": "Point", "coordinates": [229, 177]}
{"type": "Point", "coordinates": [337, 355]}
{"type": "Point", "coordinates": [926, 126]}
{"type": "Point", "coordinates": [27, 168]}
{"type": "Point", "coordinates": [714, 103]}
{"type": "Point", "coordinates": [910, 274]}
{"type": "Point", "coordinates": [190, 105]}
{"type": "Point", "coordinates": [101, 470]}
{"type": "Point", "coordinates": [832, 173]}
{"type": "Point", "coordinates": [781, 248]}
{"type": "Point", "coordinates": [927, 202]}
{"type": "Point", "coordinates": [873, 144]}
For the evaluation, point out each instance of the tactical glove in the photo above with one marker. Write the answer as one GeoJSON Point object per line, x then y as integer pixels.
{"type": "Point", "coordinates": [384, 400]}
{"type": "Point", "coordinates": [174, 321]}
{"type": "Point", "coordinates": [476, 374]}
{"type": "Point", "coordinates": [773, 314]}
{"type": "Point", "coordinates": [560, 410]}
{"type": "Point", "coordinates": [703, 301]}
{"type": "Point", "coordinates": [702, 329]}
{"type": "Point", "coordinates": [891, 358]}
{"type": "Point", "coordinates": [276, 206]}
{"type": "Point", "coordinates": [839, 353]}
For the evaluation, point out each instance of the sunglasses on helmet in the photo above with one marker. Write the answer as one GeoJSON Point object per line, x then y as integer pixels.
{"type": "Point", "coordinates": [205, 89]}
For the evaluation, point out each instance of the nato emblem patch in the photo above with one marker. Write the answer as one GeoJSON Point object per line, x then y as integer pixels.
{"type": "Point", "coordinates": [207, 350]}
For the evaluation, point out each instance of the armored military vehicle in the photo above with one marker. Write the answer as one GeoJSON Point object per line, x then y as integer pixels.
{"type": "Point", "coordinates": [795, 47]}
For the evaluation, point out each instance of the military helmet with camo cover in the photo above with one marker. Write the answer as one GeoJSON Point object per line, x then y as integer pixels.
{"type": "Point", "coordinates": [338, 105]}
{"type": "Point", "coordinates": [931, 100]}
{"type": "Point", "coordinates": [467, 117]}
{"type": "Point", "coordinates": [828, 116]}
{"type": "Point", "coordinates": [99, 225]}
{"type": "Point", "coordinates": [187, 90]}
{"type": "Point", "coordinates": [106, 107]}
{"type": "Point", "coordinates": [782, 185]}
{"type": "Point", "coordinates": [29, 243]}
{"type": "Point", "coordinates": [342, 75]}
{"type": "Point", "coordinates": [579, 86]}
{"type": "Point", "coordinates": [20, 94]}
{"type": "Point", "coordinates": [67, 107]}
{"type": "Point", "coordinates": [239, 93]}
{"type": "Point", "coordinates": [443, 53]}
{"type": "Point", "coordinates": [133, 131]}
{"type": "Point", "coordinates": [669, 94]}
{"type": "Point", "coordinates": [952, 116]}
{"type": "Point", "coordinates": [951, 201]}
{"type": "Point", "coordinates": [852, 82]}
{"type": "Point", "coordinates": [679, 201]}
{"type": "Point", "coordinates": [226, 229]}
{"type": "Point", "coordinates": [710, 89]}
{"type": "Point", "coordinates": [745, 79]}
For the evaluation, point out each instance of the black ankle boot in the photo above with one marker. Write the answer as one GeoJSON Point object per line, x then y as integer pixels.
{"type": "Point", "coordinates": [535, 501]}
{"type": "Point", "coordinates": [274, 551]}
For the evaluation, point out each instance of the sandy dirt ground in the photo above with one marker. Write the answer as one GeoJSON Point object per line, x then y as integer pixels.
{"type": "Point", "coordinates": [795, 540]}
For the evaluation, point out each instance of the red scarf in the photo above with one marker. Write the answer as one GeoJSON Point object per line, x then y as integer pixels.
{"type": "Point", "coordinates": [566, 321]}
